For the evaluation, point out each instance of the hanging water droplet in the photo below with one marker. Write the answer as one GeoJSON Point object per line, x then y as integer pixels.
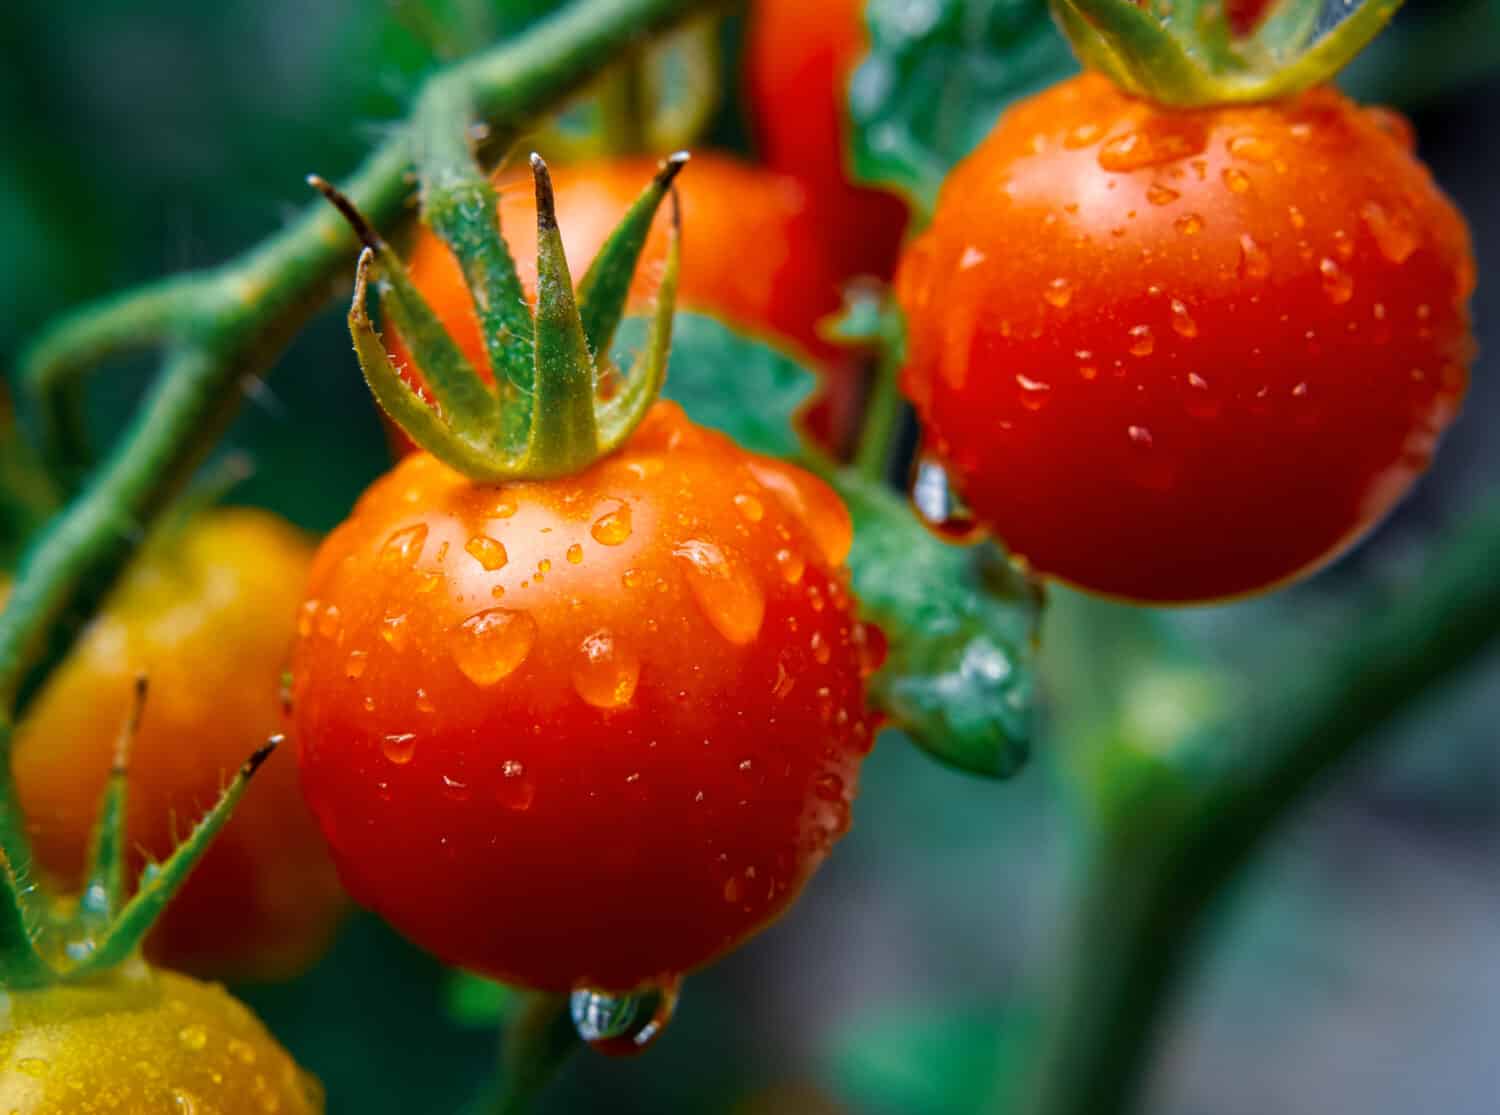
{"type": "Point", "coordinates": [727, 595]}
{"type": "Point", "coordinates": [607, 671]}
{"type": "Point", "coordinates": [620, 1025]}
{"type": "Point", "coordinates": [938, 505]}
{"type": "Point", "coordinates": [1033, 392]}
{"type": "Point", "coordinates": [490, 645]}
{"type": "Point", "coordinates": [613, 527]}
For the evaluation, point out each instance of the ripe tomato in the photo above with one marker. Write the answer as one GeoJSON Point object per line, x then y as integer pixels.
{"type": "Point", "coordinates": [1181, 355]}
{"type": "Point", "coordinates": [798, 60]}
{"type": "Point", "coordinates": [208, 616]}
{"type": "Point", "coordinates": [588, 731]}
{"type": "Point", "coordinates": [147, 1041]}
{"type": "Point", "coordinates": [750, 253]}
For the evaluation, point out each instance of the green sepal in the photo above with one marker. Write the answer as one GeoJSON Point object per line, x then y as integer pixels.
{"type": "Point", "coordinates": [606, 285]}
{"type": "Point", "coordinates": [619, 416]}
{"type": "Point", "coordinates": [159, 882]}
{"type": "Point", "coordinates": [399, 399]}
{"type": "Point", "coordinates": [564, 429]}
{"type": "Point", "coordinates": [961, 624]}
{"type": "Point", "coordinates": [104, 883]}
{"type": "Point", "coordinates": [460, 205]}
{"type": "Point", "coordinates": [21, 962]}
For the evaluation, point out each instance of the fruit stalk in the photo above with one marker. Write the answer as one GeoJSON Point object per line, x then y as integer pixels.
{"type": "Point", "coordinates": [1149, 888]}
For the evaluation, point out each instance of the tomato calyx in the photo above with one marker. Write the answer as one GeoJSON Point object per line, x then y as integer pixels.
{"type": "Point", "coordinates": [47, 939]}
{"type": "Point", "coordinates": [557, 402]}
{"type": "Point", "coordinates": [1190, 53]}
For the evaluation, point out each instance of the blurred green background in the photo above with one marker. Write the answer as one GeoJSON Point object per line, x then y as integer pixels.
{"type": "Point", "coordinates": [1358, 970]}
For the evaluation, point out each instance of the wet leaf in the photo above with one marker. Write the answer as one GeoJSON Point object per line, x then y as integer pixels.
{"type": "Point", "coordinates": [937, 77]}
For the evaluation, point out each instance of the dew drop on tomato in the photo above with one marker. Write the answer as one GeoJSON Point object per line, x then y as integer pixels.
{"type": "Point", "coordinates": [517, 790]}
{"type": "Point", "coordinates": [403, 548]}
{"type": "Point", "coordinates": [488, 552]}
{"type": "Point", "coordinates": [399, 747]}
{"type": "Point", "coordinates": [613, 527]}
{"type": "Point", "coordinates": [622, 1025]}
{"type": "Point", "coordinates": [728, 597]}
{"type": "Point", "coordinates": [938, 505]}
{"type": "Point", "coordinates": [606, 672]}
{"type": "Point", "coordinates": [490, 645]}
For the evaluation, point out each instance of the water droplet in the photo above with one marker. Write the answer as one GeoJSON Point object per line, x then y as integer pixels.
{"type": "Point", "coordinates": [1085, 135]}
{"type": "Point", "coordinates": [354, 665]}
{"type": "Point", "coordinates": [193, 1037]}
{"type": "Point", "coordinates": [1237, 180]}
{"type": "Point", "coordinates": [821, 651]}
{"type": "Point", "coordinates": [1294, 215]}
{"type": "Point", "coordinates": [1338, 284]}
{"type": "Point", "coordinates": [812, 502]}
{"type": "Point", "coordinates": [393, 630]}
{"type": "Point", "coordinates": [1189, 224]}
{"type": "Point", "coordinates": [613, 527]}
{"type": "Point", "coordinates": [792, 565]}
{"type": "Point", "coordinates": [1201, 403]}
{"type": "Point", "coordinates": [1251, 148]}
{"type": "Point", "coordinates": [1254, 262]}
{"type": "Point", "coordinates": [607, 672]}
{"type": "Point", "coordinates": [184, 1102]}
{"type": "Point", "coordinates": [1142, 341]}
{"type": "Point", "coordinates": [631, 578]}
{"type": "Point", "coordinates": [1139, 149]}
{"type": "Point", "coordinates": [971, 258]}
{"type": "Point", "coordinates": [727, 595]}
{"type": "Point", "coordinates": [402, 548]}
{"type": "Point", "coordinates": [517, 791]}
{"type": "Point", "coordinates": [1182, 321]}
{"type": "Point", "coordinates": [503, 507]}
{"type": "Point", "coordinates": [424, 702]}
{"type": "Point", "coordinates": [490, 645]}
{"type": "Point", "coordinates": [329, 622]}
{"type": "Point", "coordinates": [784, 681]}
{"type": "Point", "coordinates": [1059, 293]}
{"type": "Point", "coordinates": [488, 552]}
{"type": "Point", "coordinates": [242, 1051]}
{"type": "Point", "coordinates": [938, 505]}
{"type": "Point", "coordinates": [1394, 234]}
{"type": "Point", "coordinates": [427, 581]}
{"type": "Point", "coordinates": [575, 554]}
{"type": "Point", "coordinates": [829, 786]}
{"type": "Point", "coordinates": [1033, 392]}
{"type": "Point", "coordinates": [625, 1024]}
{"type": "Point", "coordinates": [455, 789]}
{"type": "Point", "coordinates": [399, 747]}
{"type": "Point", "coordinates": [1140, 435]}
{"type": "Point", "coordinates": [542, 567]}
{"type": "Point", "coordinates": [1157, 194]}
{"type": "Point", "coordinates": [305, 616]}
{"type": "Point", "coordinates": [751, 508]}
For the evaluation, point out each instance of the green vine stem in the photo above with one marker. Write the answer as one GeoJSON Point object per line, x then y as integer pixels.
{"type": "Point", "coordinates": [538, 1041]}
{"type": "Point", "coordinates": [1163, 859]}
{"type": "Point", "coordinates": [226, 326]}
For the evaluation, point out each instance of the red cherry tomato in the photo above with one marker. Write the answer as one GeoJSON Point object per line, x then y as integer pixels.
{"type": "Point", "coordinates": [208, 615]}
{"type": "Point", "coordinates": [588, 731]}
{"type": "Point", "coordinates": [798, 60]}
{"type": "Point", "coordinates": [1182, 355]}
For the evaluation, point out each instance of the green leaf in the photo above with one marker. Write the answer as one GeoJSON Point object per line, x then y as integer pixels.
{"type": "Point", "coordinates": [962, 629]}
{"type": "Point", "coordinates": [473, 1001]}
{"type": "Point", "coordinates": [932, 1061]}
{"type": "Point", "coordinates": [936, 79]}
{"type": "Point", "coordinates": [730, 382]}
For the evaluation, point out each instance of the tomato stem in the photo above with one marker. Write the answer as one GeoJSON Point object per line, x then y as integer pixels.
{"type": "Point", "coordinates": [537, 1043]}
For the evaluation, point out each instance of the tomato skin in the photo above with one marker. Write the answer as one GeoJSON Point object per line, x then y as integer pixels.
{"type": "Point", "coordinates": [632, 767]}
{"type": "Point", "coordinates": [1179, 356]}
{"type": "Point", "coordinates": [144, 1043]}
{"type": "Point", "coordinates": [209, 618]}
{"type": "Point", "coordinates": [798, 60]}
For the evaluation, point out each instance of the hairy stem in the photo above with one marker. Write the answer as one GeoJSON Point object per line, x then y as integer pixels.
{"type": "Point", "coordinates": [1155, 872]}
